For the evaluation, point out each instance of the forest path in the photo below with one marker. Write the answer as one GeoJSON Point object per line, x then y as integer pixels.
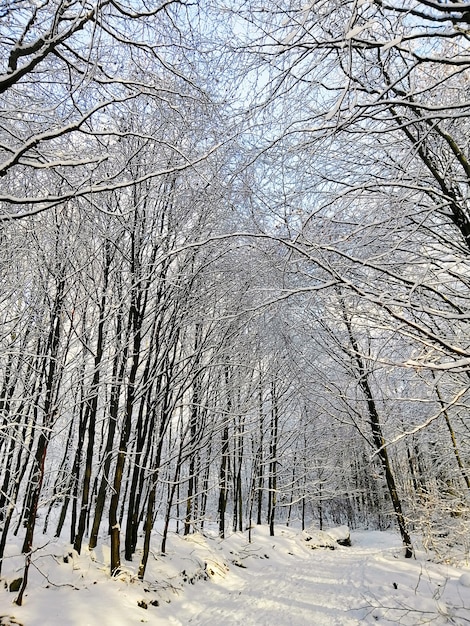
{"type": "Point", "coordinates": [278, 581]}
{"type": "Point", "coordinates": [368, 583]}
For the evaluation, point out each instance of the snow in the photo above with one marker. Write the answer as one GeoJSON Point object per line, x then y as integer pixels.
{"type": "Point", "coordinates": [358, 29]}
{"type": "Point", "coordinates": [464, 580]}
{"type": "Point", "coordinates": [392, 43]}
{"type": "Point", "coordinates": [271, 581]}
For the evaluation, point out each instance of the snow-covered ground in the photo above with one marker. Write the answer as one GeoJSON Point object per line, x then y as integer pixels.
{"type": "Point", "coordinates": [270, 581]}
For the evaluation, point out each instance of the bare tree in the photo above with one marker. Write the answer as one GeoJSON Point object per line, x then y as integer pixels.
{"type": "Point", "coordinates": [72, 73]}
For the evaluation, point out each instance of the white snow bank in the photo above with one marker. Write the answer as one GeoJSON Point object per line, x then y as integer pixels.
{"type": "Point", "coordinates": [271, 581]}
{"type": "Point", "coordinates": [331, 538]}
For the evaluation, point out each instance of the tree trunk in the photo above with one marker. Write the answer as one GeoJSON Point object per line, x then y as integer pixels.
{"type": "Point", "coordinates": [117, 376]}
{"type": "Point", "coordinates": [91, 408]}
{"type": "Point", "coordinates": [378, 438]}
{"type": "Point", "coordinates": [273, 458]}
{"type": "Point", "coordinates": [223, 473]}
{"type": "Point", "coordinates": [43, 441]}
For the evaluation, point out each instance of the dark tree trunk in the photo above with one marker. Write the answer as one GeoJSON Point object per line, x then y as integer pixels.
{"type": "Point", "coordinates": [260, 457]}
{"type": "Point", "coordinates": [194, 427]}
{"type": "Point", "coordinates": [51, 362]}
{"type": "Point", "coordinates": [117, 376]}
{"type": "Point", "coordinates": [223, 473]}
{"type": "Point", "coordinates": [91, 409]}
{"type": "Point", "coordinates": [273, 458]}
{"type": "Point", "coordinates": [378, 438]}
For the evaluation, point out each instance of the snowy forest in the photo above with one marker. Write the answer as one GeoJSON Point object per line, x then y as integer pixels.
{"type": "Point", "coordinates": [235, 271]}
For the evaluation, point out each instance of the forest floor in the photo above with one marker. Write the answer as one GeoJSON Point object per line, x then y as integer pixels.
{"type": "Point", "coordinates": [284, 580]}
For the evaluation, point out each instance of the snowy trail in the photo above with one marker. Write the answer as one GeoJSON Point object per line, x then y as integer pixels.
{"type": "Point", "coordinates": [368, 583]}
{"type": "Point", "coordinates": [312, 593]}
{"type": "Point", "coordinates": [276, 581]}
